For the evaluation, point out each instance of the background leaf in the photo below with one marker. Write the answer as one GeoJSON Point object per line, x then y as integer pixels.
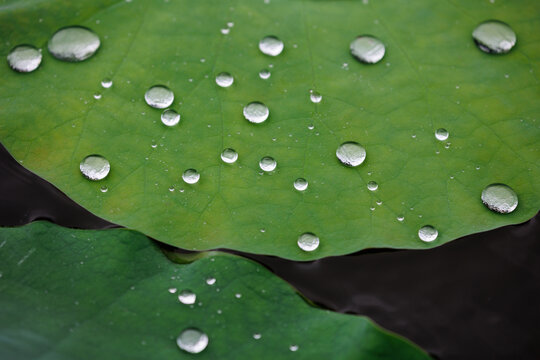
{"type": "Point", "coordinates": [432, 76]}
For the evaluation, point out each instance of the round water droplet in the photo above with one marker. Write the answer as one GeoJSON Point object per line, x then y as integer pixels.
{"type": "Point", "coordinates": [224, 79]}
{"type": "Point", "coordinates": [315, 97]}
{"type": "Point", "coordinates": [400, 218]}
{"type": "Point", "coordinates": [500, 198]}
{"type": "Point", "coordinates": [187, 297]}
{"type": "Point", "coordinates": [264, 74]}
{"type": "Point", "coordinates": [159, 97]}
{"type": "Point", "coordinates": [229, 156]}
{"type": "Point", "coordinates": [256, 112]}
{"type": "Point", "coordinates": [74, 43]}
{"type": "Point", "coordinates": [428, 233]}
{"type": "Point", "coordinates": [267, 164]}
{"type": "Point", "coordinates": [372, 186]}
{"type": "Point", "coordinates": [97, 96]}
{"type": "Point", "coordinates": [351, 153]}
{"type": "Point", "coordinates": [172, 290]}
{"type": "Point", "coordinates": [191, 176]}
{"type": "Point", "coordinates": [494, 37]}
{"type": "Point", "coordinates": [308, 242]}
{"type": "Point", "coordinates": [103, 189]}
{"type": "Point", "coordinates": [238, 295]}
{"type": "Point", "coordinates": [441, 134]}
{"type": "Point", "coordinates": [293, 348]}
{"type": "Point", "coordinates": [192, 340]}
{"type": "Point", "coordinates": [300, 184]}
{"type": "Point", "coordinates": [211, 281]}
{"type": "Point", "coordinates": [257, 336]}
{"type": "Point", "coordinates": [170, 117]}
{"type": "Point", "coordinates": [367, 49]}
{"type": "Point", "coordinates": [95, 167]}
{"type": "Point", "coordinates": [271, 45]}
{"type": "Point", "coordinates": [106, 83]}
{"type": "Point", "coordinates": [24, 58]}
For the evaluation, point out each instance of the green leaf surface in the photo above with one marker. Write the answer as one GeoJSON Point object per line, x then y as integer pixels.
{"type": "Point", "coordinates": [432, 76]}
{"type": "Point", "coordinates": [74, 294]}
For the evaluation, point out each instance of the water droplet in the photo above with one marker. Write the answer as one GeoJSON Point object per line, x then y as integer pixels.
{"type": "Point", "coordinates": [191, 176]}
{"type": "Point", "coordinates": [441, 134]}
{"type": "Point", "coordinates": [256, 112]}
{"type": "Point", "coordinates": [211, 281]}
{"type": "Point", "coordinates": [372, 186]}
{"type": "Point", "coordinates": [187, 297]}
{"type": "Point", "coordinates": [293, 348]}
{"type": "Point", "coordinates": [315, 97]}
{"type": "Point", "coordinates": [74, 43]}
{"type": "Point", "coordinates": [24, 58]}
{"type": "Point", "coordinates": [106, 83]}
{"type": "Point", "coordinates": [400, 218]}
{"type": "Point", "coordinates": [300, 184]}
{"type": "Point", "coordinates": [351, 153]}
{"type": "Point", "coordinates": [238, 295]}
{"type": "Point", "coordinates": [428, 233]}
{"type": "Point", "coordinates": [159, 97]}
{"type": "Point", "coordinates": [271, 45]}
{"type": "Point", "coordinates": [308, 242]}
{"type": "Point", "coordinates": [224, 79]}
{"type": "Point", "coordinates": [367, 49]}
{"type": "Point", "coordinates": [494, 37]}
{"type": "Point", "coordinates": [97, 96]}
{"type": "Point", "coordinates": [267, 164]}
{"type": "Point", "coordinates": [103, 189]}
{"type": "Point", "coordinates": [192, 340]}
{"type": "Point", "coordinates": [264, 74]}
{"type": "Point", "coordinates": [229, 156]}
{"type": "Point", "coordinates": [500, 198]}
{"type": "Point", "coordinates": [257, 336]}
{"type": "Point", "coordinates": [172, 290]}
{"type": "Point", "coordinates": [170, 117]}
{"type": "Point", "coordinates": [95, 167]}
{"type": "Point", "coordinates": [225, 31]}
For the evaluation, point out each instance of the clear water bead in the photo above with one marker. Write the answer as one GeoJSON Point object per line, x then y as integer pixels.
{"type": "Point", "coordinates": [500, 198]}
{"type": "Point", "coordinates": [229, 156]}
{"type": "Point", "coordinates": [300, 184]}
{"type": "Point", "coordinates": [428, 233]}
{"type": "Point", "coordinates": [372, 186]}
{"type": "Point", "coordinates": [170, 117]}
{"type": "Point", "coordinates": [159, 97]}
{"type": "Point", "coordinates": [24, 58]}
{"type": "Point", "coordinates": [106, 83]}
{"type": "Point", "coordinates": [267, 164]}
{"type": "Point", "coordinates": [308, 242]}
{"type": "Point", "coordinates": [271, 45]}
{"type": "Point", "coordinates": [224, 79]}
{"type": "Point", "coordinates": [74, 43]}
{"type": "Point", "coordinates": [192, 340]}
{"type": "Point", "coordinates": [191, 176]}
{"type": "Point", "coordinates": [367, 49]}
{"type": "Point", "coordinates": [256, 112]}
{"type": "Point", "coordinates": [95, 167]}
{"type": "Point", "coordinates": [257, 336]}
{"type": "Point", "coordinates": [187, 297]}
{"type": "Point", "coordinates": [441, 134]}
{"type": "Point", "coordinates": [494, 37]}
{"type": "Point", "coordinates": [293, 348]}
{"type": "Point", "coordinates": [351, 153]}
{"type": "Point", "coordinates": [315, 97]}
{"type": "Point", "coordinates": [211, 281]}
{"type": "Point", "coordinates": [265, 74]}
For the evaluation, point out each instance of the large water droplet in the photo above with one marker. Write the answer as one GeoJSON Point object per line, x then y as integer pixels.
{"type": "Point", "coordinates": [159, 97]}
{"type": "Point", "coordinates": [315, 97]}
{"type": "Point", "coordinates": [256, 112]}
{"type": "Point", "coordinates": [229, 156]}
{"type": "Point", "coordinates": [95, 167]}
{"type": "Point", "coordinates": [192, 340]}
{"type": "Point", "coordinates": [187, 297]}
{"type": "Point", "coordinates": [170, 117]}
{"type": "Point", "coordinates": [74, 43]}
{"type": "Point", "coordinates": [494, 37]}
{"type": "Point", "coordinates": [191, 176]}
{"type": "Point", "coordinates": [224, 79]}
{"type": "Point", "coordinates": [264, 74]}
{"type": "Point", "coordinates": [308, 242]}
{"type": "Point", "coordinates": [271, 45]}
{"type": "Point", "coordinates": [106, 83]}
{"type": "Point", "coordinates": [428, 233]}
{"type": "Point", "coordinates": [267, 164]}
{"type": "Point", "coordinates": [367, 49]}
{"type": "Point", "coordinates": [372, 186]}
{"type": "Point", "coordinates": [351, 153]}
{"type": "Point", "coordinates": [500, 198]}
{"type": "Point", "coordinates": [24, 58]}
{"type": "Point", "coordinates": [441, 134]}
{"type": "Point", "coordinates": [300, 184]}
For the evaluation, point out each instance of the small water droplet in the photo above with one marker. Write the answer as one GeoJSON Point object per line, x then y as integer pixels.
{"type": "Point", "coordinates": [256, 112]}
{"type": "Point", "coordinates": [367, 49]}
{"type": "Point", "coordinates": [400, 218]}
{"type": "Point", "coordinates": [225, 31]}
{"type": "Point", "coordinates": [300, 184]}
{"type": "Point", "coordinates": [311, 127]}
{"type": "Point", "coordinates": [315, 97]}
{"type": "Point", "coordinates": [264, 74]}
{"type": "Point", "coordinates": [172, 290]}
{"type": "Point", "coordinates": [211, 281]}
{"type": "Point", "coordinates": [97, 96]}
{"type": "Point", "coordinates": [478, 168]}
{"type": "Point", "coordinates": [224, 79]}
{"type": "Point", "coordinates": [378, 202]}
{"type": "Point", "coordinates": [293, 348]}
{"type": "Point", "coordinates": [308, 241]}
{"type": "Point", "coordinates": [257, 336]}
{"type": "Point", "coordinates": [267, 164]}
{"type": "Point", "coordinates": [428, 233]}
{"type": "Point", "coordinates": [229, 156]}
{"type": "Point", "coordinates": [372, 186]}
{"type": "Point", "coordinates": [271, 45]}
{"type": "Point", "coordinates": [192, 340]}
{"type": "Point", "coordinates": [500, 198]}
{"type": "Point", "coordinates": [187, 297]}
{"type": "Point", "coordinates": [74, 43]}
{"type": "Point", "coordinates": [191, 176]}
{"type": "Point", "coordinates": [494, 37]}
{"type": "Point", "coordinates": [171, 188]}
{"type": "Point", "coordinates": [441, 134]}
{"type": "Point", "coordinates": [95, 167]}
{"type": "Point", "coordinates": [238, 295]}
{"type": "Point", "coordinates": [351, 153]}
{"type": "Point", "coordinates": [24, 58]}
{"type": "Point", "coordinates": [170, 117]}
{"type": "Point", "coordinates": [159, 97]}
{"type": "Point", "coordinates": [103, 189]}
{"type": "Point", "coordinates": [263, 230]}
{"type": "Point", "coordinates": [106, 83]}
{"type": "Point", "coordinates": [230, 24]}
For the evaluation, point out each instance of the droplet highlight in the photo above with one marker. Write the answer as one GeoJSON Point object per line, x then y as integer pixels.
{"type": "Point", "coordinates": [159, 97]}
{"type": "Point", "coordinates": [224, 79]}
{"type": "Point", "coordinates": [170, 117]}
{"type": "Point", "coordinates": [351, 153]}
{"type": "Point", "coordinates": [267, 164]}
{"type": "Point", "coordinates": [192, 340]}
{"type": "Point", "coordinates": [265, 74]}
{"type": "Point", "coordinates": [300, 184]}
{"type": "Point", "coordinates": [256, 112]}
{"type": "Point", "coordinates": [95, 167]}
{"type": "Point", "coordinates": [229, 156]}
{"type": "Point", "coordinates": [308, 242]}
{"type": "Point", "coordinates": [372, 186]}
{"type": "Point", "coordinates": [24, 58]}
{"type": "Point", "coordinates": [315, 97]}
{"type": "Point", "coordinates": [271, 46]}
{"type": "Point", "coordinates": [441, 134]}
{"type": "Point", "coordinates": [191, 176]}
{"type": "Point", "coordinates": [500, 198]}
{"type": "Point", "coordinates": [494, 37]}
{"type": "Point", "coordinates": [106, 83]}
{"type": "Point", "coordinates": [428, 233]}
{"type": "Point", "coordinates": [367, 49]}
{"type": "Point", "coordinates": [74, 43]}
